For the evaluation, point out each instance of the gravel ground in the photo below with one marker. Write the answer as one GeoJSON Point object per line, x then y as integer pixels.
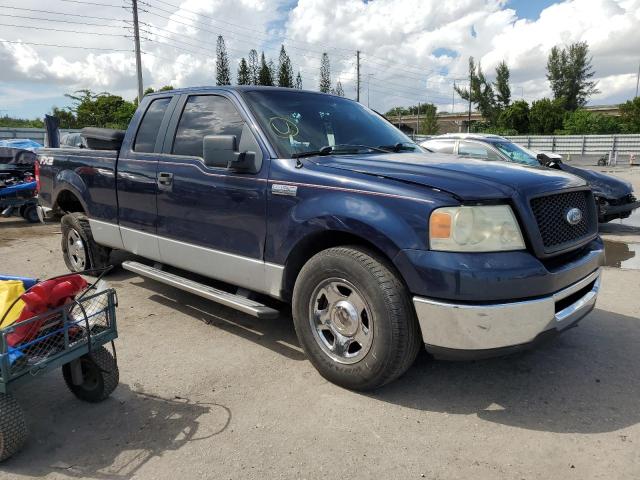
{"type": "Point", "coordinates": [207, 392]}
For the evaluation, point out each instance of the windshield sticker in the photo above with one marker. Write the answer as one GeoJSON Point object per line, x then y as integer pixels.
{"type": "Point", "coordinates": [283, 127]}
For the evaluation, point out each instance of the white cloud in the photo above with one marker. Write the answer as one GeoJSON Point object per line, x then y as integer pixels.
{"type": "Point", "coordinates": [398, 39]}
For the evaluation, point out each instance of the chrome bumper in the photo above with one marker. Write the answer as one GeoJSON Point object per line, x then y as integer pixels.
{"type": "Point", "coordinates": [496, 326]}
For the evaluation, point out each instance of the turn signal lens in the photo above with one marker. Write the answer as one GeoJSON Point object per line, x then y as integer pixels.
{"type": "Point", "coordinates": [440, 225]}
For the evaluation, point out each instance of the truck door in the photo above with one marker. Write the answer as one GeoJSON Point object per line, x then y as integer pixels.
{"type": "Point", "coordinates": [136, 177]}
{"type": "Point", "coordinates": [211, 220]}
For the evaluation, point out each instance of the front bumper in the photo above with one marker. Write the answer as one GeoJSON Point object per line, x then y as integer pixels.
{"type": "Point", "coordinates": [464, 331]}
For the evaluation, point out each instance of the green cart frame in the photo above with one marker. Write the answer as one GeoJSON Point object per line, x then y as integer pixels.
{"type": "Point", "coordinates": [72, 337]}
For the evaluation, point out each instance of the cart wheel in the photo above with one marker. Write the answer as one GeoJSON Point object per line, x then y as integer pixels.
{"type": "Point", "coordinates": [100, 376]}
{"type": "Point", "coordinates": [30, 214]}
{"type": "Point", "coordinates": [13, 427]}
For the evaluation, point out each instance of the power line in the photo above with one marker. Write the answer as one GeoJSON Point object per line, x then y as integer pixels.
{"type": "Point", "coordinates": [61, 21]}
{"type": "Point", "coordinates": [57, 13]}
{"type": "Point", "coordinates": [61, 30]}
{"type": "Point", "coordinates": [95, 4]}
{"type": "Point", "coordinates": [64, 46]}
{"type": "Point", "coordinates": [234, 35]}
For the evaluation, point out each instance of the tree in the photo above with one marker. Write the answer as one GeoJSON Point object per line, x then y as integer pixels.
{"type": "Point", "coordinates": [584, 122]}
{"type": "Point", "coordinates": [569, 72]}
{"type": "Point", "coordinates": [254, 67]}
{"type": "Point", "coordinates": [67, 119]}
{"type": "Point", "coordinates": [428, 119]}
{"type": "Point", "coordinates": [515, 117]}
{"type": "Point", "coordinates": [264, 75]}
{"type": "Point", "coordinates": [285, 70]}
{"type": "Point", "coordinates": [7, 121]}
{"type": "Point", "coordinates": [223, 75]}
{"type": "Point", "coordinates": [481, 93]}
{"type": "Point", "coordinates": [299, 81]}
{"type": "Point", "coordinates": [101, 109]}
{"type": "Point", "coordinates": [503, 90]}
{"type": "Point", "coordinates": [545, 116]}
{"type": "Point", "coordinates": [325, 74]}
{"type": "Point", "coordinates": [244, 76]}
{"type": "Point", "coordinates": [273, 71]}
{"type": "Point", "coordinates": [630, 116]}
{"type": "Point", "coordinates": [339, 91]}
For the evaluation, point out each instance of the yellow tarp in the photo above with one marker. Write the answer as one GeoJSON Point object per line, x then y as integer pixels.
{"type": "Point", "coordinates": [9, 291]}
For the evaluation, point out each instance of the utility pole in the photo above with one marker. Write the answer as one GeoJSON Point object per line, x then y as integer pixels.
{"type": "Point", "coordinates": [453, 98]}
{"type": "Point", "coordinates": [418, 120]}
{"type": "Point", "coordinates": [469, 118]}
{"type": "Point", "coordinates": [637, 80]}
{"type": "Point", "coordinates": [136, 38]}
{"type": "Point", "coordinates": [358, 75]}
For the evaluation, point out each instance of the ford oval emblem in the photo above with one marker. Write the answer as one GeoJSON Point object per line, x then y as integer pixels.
{"type": "Point", "coordinates": [574, 216]}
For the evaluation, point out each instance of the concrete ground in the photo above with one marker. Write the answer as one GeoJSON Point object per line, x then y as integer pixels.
{"type": "Point", "coordinates": [206, 392]}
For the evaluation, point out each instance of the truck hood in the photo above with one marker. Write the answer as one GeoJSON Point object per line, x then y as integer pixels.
{"type": "Point", "coordinates": [602, 185]}
{"type": "Point", "coordinates": [465, 178]}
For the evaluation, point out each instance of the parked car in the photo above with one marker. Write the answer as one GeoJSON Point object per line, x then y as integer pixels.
{"type": "Point", "coordinates": [315, 200]}
{"type": "Point", "coordinates": [615, 198]}
{"type": "Point", "coordinates": [17, 156]}
{"type": "Point", "coordinates": [72, 139]}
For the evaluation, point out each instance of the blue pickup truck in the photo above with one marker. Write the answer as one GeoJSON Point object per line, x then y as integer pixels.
{"type": "Point", "coordinates": [316, 200]}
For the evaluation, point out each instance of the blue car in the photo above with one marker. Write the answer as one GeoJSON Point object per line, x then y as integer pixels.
{"type": "Point", "coordinates": [314, 200]}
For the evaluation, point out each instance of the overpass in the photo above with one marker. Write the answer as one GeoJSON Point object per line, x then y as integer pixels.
{"type": "Point", "coordinates": [457, 122]}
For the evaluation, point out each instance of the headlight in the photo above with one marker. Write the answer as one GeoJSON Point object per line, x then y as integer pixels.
{"type": "Point", "coordinates": [488, 228]}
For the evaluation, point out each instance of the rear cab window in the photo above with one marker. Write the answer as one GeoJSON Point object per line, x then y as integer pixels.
{"type": "Point", "coordinates": [150, 125]}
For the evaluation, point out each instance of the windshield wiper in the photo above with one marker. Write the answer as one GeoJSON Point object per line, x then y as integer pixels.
{"type": "Point", "coordinates": [397, 147]}
{"type": "Point", "coordinates": [337, 149]}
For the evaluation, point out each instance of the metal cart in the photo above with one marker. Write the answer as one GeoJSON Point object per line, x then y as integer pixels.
{"type": "Point", "coordinates": [72, 337]}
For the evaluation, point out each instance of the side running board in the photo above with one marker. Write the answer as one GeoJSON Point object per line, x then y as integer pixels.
{"type": "Point", "coordinates": [227, 299]}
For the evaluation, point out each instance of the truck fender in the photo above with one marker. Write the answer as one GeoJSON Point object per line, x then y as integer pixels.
{"type": "Point", "coordinates": [68, 180]}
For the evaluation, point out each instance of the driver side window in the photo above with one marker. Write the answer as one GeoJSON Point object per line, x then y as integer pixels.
{"type": "Point", "coordinates": [205, 115]}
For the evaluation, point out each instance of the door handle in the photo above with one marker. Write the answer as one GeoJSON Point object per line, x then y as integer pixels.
{"type": "Point", "coordinates": [165, 178]}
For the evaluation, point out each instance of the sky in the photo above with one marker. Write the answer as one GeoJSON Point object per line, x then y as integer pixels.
{"type": "Point", "coordinates": [411, 50]}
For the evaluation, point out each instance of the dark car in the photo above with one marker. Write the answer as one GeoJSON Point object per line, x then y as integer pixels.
{"type": "Point", "coordinates": [615, 197]}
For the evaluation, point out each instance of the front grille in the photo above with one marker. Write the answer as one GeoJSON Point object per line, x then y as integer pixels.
{"type": "Point", "coordinates": [551, 214]}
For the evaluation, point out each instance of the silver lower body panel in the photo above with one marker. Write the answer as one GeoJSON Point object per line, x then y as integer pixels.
{"type": "Point", "coordinates": [496, 326]}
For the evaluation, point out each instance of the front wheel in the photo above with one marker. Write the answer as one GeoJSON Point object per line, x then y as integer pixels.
{"type": "Point", "coordinates": [98, 376]}
{"type": "Point", "coordinates": [354, 318]}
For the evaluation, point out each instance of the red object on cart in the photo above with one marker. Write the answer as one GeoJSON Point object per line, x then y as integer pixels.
{"type": "Point", "coordinates": [44, 296]}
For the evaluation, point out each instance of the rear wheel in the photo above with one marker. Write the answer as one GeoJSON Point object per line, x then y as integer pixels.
{"type": "Point", "coordinates": [354, 318]}
{"type": "Point", "coordinates": [79, 249]}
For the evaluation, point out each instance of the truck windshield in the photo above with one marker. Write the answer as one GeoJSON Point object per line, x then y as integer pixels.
{"type": "Point", "coordinates": [299, 122]}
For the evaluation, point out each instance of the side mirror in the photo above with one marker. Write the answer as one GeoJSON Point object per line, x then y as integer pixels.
{"type": "Point", "coordinates": [219, 150]}
{"type": "Point", "coordinates": [243, 162]}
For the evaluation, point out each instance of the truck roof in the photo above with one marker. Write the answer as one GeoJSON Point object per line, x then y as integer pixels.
{"type": "Point", "coordinates": [239, 88]}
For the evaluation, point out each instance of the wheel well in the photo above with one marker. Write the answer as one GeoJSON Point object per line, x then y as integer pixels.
{"type": "Point", "coordinates": [67, 202]}
{"type": "Point", "coordinates": [313, 244]}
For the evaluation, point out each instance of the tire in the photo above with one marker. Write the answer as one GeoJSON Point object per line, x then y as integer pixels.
{"type": "Point", "coordinates": [79, 250]}
{"type": "Point", "coordinates": [30, 214]}
{"type": "Point", "coordinates": [352, 293]}
{"type": "Point", "coordinates": [13, 427]}
{"type": "Point", "coordinates": [100, 376]}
